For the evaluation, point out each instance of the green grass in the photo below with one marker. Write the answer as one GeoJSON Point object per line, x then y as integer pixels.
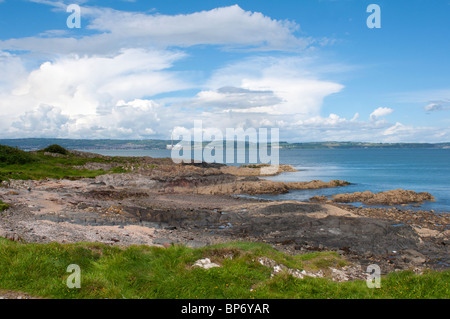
{"type": "Point", "coordinates": [18, 164]}
{"type": "Point", "coordinates": [167, 273]}
{"type": "Point", "coordinates": [3, 206]}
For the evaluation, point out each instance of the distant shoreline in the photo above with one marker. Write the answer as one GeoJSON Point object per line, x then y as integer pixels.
{"type": "Point", "coordinates": [157, 144]}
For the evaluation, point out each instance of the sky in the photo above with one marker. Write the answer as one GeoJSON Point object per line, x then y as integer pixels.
{"type": "Point", "coordinates": [314, 69]}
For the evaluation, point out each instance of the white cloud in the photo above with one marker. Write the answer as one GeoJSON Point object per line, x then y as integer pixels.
{"type": "Point", "coordinates": [45, 119]}
{"type": "Point", "coordinates": [134, 119]}
{"type": "Point", "coordinates": [227, 26]}
{"type": "Point", "coordinates": [222, 26]}
{"type": "Point", "coordinates": [395, 129]}
{"type": "Point", "coordinates": [298, 95]}
{"type": "Point", "coordinates": [88, 85]}
{"type": "Point", "coordinates": [333, 120]}
{"type": "Point", "coordinates": [441, 105]}
{"type": "Point", "coordinates": [380, 112]}
{"type": "Point", "coordinates": [103, 85]}
{"type": "Point", "coordinates": [12, 70]}
{"type": "Point", "coordinates": [93, 80]}
{"type": "Point", "coordinates": [83, 97]}
{"type": "Point", "coordinates": [227, 98]}
{"type": "Point", "coordinates": [407, 133]}
{"type": "Point", "coordinates": [336, 128]}
{"type": "Point", "coordinates": [293, 87]}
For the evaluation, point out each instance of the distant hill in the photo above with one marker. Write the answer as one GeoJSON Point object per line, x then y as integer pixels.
{"type": "Point", "coordinates": [353, 145]}
{"type": "Point", "coordinates": [80, 144]}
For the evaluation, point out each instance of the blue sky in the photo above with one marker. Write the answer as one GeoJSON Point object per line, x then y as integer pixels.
{"type": "Point", "coordinates": [144, 69]}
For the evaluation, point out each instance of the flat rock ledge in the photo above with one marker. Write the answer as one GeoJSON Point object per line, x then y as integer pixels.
{"type": "Point", "coordinates": [391, 197]}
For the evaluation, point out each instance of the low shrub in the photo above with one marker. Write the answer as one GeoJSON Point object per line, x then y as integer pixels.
{"type": "Point", "coordinates": [11, 155]}
{"type": "Point", "coordinates": [55, 148]}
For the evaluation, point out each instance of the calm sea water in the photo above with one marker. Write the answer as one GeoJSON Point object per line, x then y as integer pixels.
{"type": "Point", "coordinates": [367, 169]}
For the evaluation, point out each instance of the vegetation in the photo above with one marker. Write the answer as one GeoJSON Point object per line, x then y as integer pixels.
{"type": "Point", "coordinates": [3, 206]}
{"type": "Point", "coordinates": [51, 162]}
{"type": "Point", "coordinates": [255, 165]}
{"type": "Point", "coordinates": [153, 272]}
{"type": "Point", "coordinates": [11, 156]}
{"type": "Point", "coordinates": [40, 143]}
{"type": "Point", "coordinates": [56, 149]}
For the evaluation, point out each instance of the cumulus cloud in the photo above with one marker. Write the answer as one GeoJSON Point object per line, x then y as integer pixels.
{"type": "Point", "coordinates": [88, 85]}
{"type": "Point", "coordinates": [48, 120]}
{"type": "Point", "coordinates": [380, 112]}
{"type": "Point", "coordinates": [134, 119]}
{"type": "Point", "coordinates": [105, 97]}
{"type": "Point", "coordinates": [291, 80]}
{"type": "Point", "coordinates": [93, 78]}
{"type": "Point", "coordinates": [332, 121]}
{"type": "Point", "coordinates": [12, 70]}
{"type": "Point", "coordinates": [108, 82]}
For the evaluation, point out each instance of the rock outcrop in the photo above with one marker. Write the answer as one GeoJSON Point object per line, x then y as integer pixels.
{"type": "Point", "coordinates": [257, 170]}
{"type": "Point", "coordinates": [391, 197]}
{"type": "Point", "coordinates": [212, 182]}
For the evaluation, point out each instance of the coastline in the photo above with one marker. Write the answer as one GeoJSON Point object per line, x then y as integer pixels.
{"type": "Point", "coordinates": [159, 203]}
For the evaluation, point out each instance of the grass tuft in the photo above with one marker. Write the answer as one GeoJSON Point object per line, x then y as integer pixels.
{"type": "Point", "coordinates": [167, 273]}
{"type": "Point", "coordinates": [3, 206]}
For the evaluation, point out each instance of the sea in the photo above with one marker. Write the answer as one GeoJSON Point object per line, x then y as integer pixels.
{"type": "Point", "coordinates": [376, 170]}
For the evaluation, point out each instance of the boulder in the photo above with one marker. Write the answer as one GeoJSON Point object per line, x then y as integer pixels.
{"type": "Point", "coordinates": [205, 264]}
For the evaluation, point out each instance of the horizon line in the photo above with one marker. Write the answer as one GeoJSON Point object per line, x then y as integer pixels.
{"type": "Point", "coordinates": [159, 139]}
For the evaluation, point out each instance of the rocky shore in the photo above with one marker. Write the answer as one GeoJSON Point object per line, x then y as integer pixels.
{"type": "Point", "coordinates": [391, 197]}
{"type": "Point", "coordinates": [160, 203]}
